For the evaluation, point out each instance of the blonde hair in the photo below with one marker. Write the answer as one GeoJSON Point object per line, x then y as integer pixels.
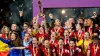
{"type": "Point", "coordinates": [3, 29]}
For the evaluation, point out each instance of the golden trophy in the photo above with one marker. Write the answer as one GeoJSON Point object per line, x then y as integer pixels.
{"type": "Point", "coordinates": [40, 7]}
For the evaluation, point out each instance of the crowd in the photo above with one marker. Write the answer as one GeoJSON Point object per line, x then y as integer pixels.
{"type": "Point", "coordinates": [72, 39]}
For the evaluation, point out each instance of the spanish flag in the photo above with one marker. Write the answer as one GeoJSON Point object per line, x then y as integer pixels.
{"type": "Point", "coordinates": [4, 49]}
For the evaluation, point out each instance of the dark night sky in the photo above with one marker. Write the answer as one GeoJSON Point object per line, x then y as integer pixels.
{"type": "Point", "coordinates": [70, 12]}
{"type": "Point", "coordinates": [9, 11]}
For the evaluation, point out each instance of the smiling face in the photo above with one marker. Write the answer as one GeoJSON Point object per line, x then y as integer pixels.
{"type": "Point", "coordinates": [86, 35]}
{"type": "Point", "coordinates": [90, 22]}
{"type": "Point", "coordinates": [70, 26]}
{"type": "Point", "coordinates": [95, 42]}
{"type": "Point", "coordinates": [6, 30]}
{"type": "Point", "coordinates": [14, 27]}
{"type": "Point", "coordinates": [26, 36]}
{"type": "Point", "coordinates": [34, 41]}
{"type": "Point", "coordinates": [29, 30]}
{"type": "Point", "coordinates": [25, 27]}
{"type": "Point", "coordinates": [53, 35]}
{"type": "Point", "coordinates": [72, 44]}
{"type": "Point", "coordinates": [66, 33]}
{"type": "Point", "coordinates": [71, 20]}
{"type": "Point", "coordinates": [35, 26]}
{"type": "Point", "coordinates": [41, 30]}
{"type": "Point", "coordinates": [46, 44]}
{"type": "Point", "coordinates": [60, 43]}
{"type": "Point", "coordinates": [80, 20]}
{"type": "Point", "coordinates": [78, 27]}
{"type": "Point", "coordinates": [13, 36]}
{"type": "Point", "coordinates": [86, 22]}
{"type": "Point", "coordinates": [57, 22]}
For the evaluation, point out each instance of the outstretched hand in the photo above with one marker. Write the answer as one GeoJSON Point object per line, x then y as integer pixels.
{"type": "Point", "coordinates": [21, 13]}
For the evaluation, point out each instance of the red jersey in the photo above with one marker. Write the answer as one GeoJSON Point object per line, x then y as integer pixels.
{"type": "Point", "coordinates": [59, 32]}
{"type": "Point", "coordinates": [48, 51]}
{"type": "Point", "coordinates": [38, 35]}
{"type": "Point", "coordinates": [66, 41]}
{"type": "Point", "coordinates": [79, 35]}
{"type": "Point", "coordinates": [72, 34]}
{"type": "Point", "coordinates": [55, 42]}
{"type": "Point", "coordinates": [42, 36]}
{"type": "Point", "coordinates": [62, 52]}
{"type": "Point", "coordinates": [34, 51]}
{"type": "Point", "coordinates": [3, 36]}
{"type": "Point", "coordinates": [89, 29]}
{"type": "Point", "coordinates": [74, 52]}
{"type": "Point", "coordinates": [94, 51]}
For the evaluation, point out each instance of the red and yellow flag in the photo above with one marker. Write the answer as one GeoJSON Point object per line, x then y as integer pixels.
{"type": "Point", "coordinates": [4, 49]}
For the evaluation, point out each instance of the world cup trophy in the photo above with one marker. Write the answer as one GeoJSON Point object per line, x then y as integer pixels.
{"type": "Point", "coordinates": [40, 7]}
